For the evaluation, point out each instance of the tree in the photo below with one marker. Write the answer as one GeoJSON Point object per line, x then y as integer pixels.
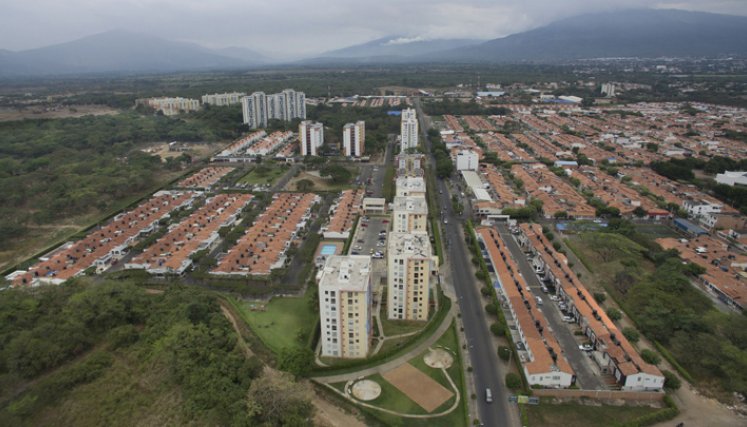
{"type": "Point", "coordinates": [513, 381]}
{"type": "Point", "coordinates": [631, 334]}
{"type": "Point", "coordinates": [337, 173]}
{"type": "Point", "coordinates": [614, 314]}
{"type": "Point", "coordinates": [671, 380]}
{"type": "Point", "coordinates": [304, 185]}
{"type": "Point", "coordinates": [274, 399]}
{"type": "Point", "coordinates": [650, 356]}
{"type": "Point", "coordinates": [639, 212]}
{"type": "Point", "coordinates": [600, 297]}
{"type": "Point", "coordinates": [297, 361]}
{"type": "Point", "coordinates": [490, 308]}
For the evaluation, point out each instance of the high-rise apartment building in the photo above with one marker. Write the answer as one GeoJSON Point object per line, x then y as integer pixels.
{"type": "Point", "coordinates": [608, 89]}
{"type": "Point", "coordinates": [345, 301]}
{"type": "Point", "coordinates": [310, 136]}
{"type": "Point", "coordinates": [354, 139]}
{"type": "Point", "coordinates": [409, 129]}
{"type": "Point", "coordinates": [410, 268]}
{"type": "Point", "coordinates": [409, 214]}
{"type": "Point", "coordinates": [286, 105]}
{"type": "Point", "coordinates": [171, 106]}
{"type": "Point", "coordinates": [254, 108]}
{"type": "Point", "coordinates": [223, 99]}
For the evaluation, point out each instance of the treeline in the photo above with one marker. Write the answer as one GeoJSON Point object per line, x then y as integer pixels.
{"type": "Point", "coordinates": [444, 165]}
{"type": "Point", "coordinates": [67, 336]}
{"type": "Point", "coordinates": [682, 170]}
{"type": "Point", "coordinates": [378, 124]}
{"type": "Point", "coordinates": [709, 344]}
{"type": "Point", "coordinates": [456, 107]}
{"type": "Point", "coordinates": [54, 169]}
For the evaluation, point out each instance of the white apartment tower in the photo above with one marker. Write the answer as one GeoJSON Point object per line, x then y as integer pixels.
{"type": "Point", "coordinates": [345, 300]}
{"type": "Point", "coordinates": [410, 266]}
{"type": "Point", "coordinates": [410, 214]}
{"type": "Point", "coordinates": [608, 89]}
{"type": "Point", "coordinates": [354, 138]}
{"type": "Point", "coordinates": [310, 136]}
{"type": "Point", "coordinates": [409, 129]}
{"type": "Point", "coordinates": [254, 108]}
{"type": "Point", "coordinates": [223, 99]}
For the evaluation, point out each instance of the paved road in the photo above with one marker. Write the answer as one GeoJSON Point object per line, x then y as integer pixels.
{"type": "Point", "coordinates": [482, 353]}
{"type": "Point", "coordinates": [586, 377]}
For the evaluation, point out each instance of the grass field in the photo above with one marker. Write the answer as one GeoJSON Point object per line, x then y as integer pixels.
{"type": "Point", "coordinates": [282, 322]}
{"type": "Point", "coordinates": [606, 254]}
{"type": "Point", "coordinates": [263, 174]}
{"type": "Point", "coordinates": [577, 415]}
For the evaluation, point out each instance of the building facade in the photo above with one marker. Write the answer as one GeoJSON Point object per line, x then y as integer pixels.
{"type": "Point", "coordinates": [409, 214]}
{"type": "Point", "coordinates": [467, 160]}
{"type": "Point", "coordinates": [171, 106]}
{"type": "Point", "coordinates": [409, 129]}
{"type": "Point", "coordinates": [410, 268]}
{"type": "Point", "coordinates": [345, 301]}
{"type": "Point", "coordinates": [254, 108]}
{"type": "Point", "coordinates": [354, 139]}
{"type": "Point", "coordinates": [311, 137]}
{"type": "Point", "coordinates": [223, 99]}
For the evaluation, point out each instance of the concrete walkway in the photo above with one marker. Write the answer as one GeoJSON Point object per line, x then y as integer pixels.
{"type": "Point", "coordinates": [388, 366]}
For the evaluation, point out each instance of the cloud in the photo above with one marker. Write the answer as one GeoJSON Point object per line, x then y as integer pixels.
{"type": "Point", "coordinates": [301, 27]}
{"type": "Point", "coordinates": [406, 40]}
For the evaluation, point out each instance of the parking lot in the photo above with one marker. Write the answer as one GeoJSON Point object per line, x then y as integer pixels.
{"type": "Point", "coordinates": [370, 237]}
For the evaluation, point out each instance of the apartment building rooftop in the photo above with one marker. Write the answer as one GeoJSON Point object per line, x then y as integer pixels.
{"type": "Point", "coordinates": [412, 204]}
{"type": "Point", "coordinates": [205, 177]}
{"type": "Point", "coordinates": [263, 247]}
{"type": "Point", "coordinates": [545, 353]}
{"type": "Point", "coordinates": [349, 273]}
{"type": "Point", "coordinates": [416, 244]}
{"type": "Point", "coordinates": [171, 253]}
{"type": "Point", "coordinates": [103, 245]}
{"type": "Point", "coordinates": [597, 325]}
{"type": "Point", "coordinates": [343, 213]}
{"type": "Point", "coordinates": [724, 268]}
{"type": "Point", "coordinates": [410, 186]}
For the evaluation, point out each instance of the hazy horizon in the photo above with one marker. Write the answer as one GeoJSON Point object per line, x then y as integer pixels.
{"type": "Point", "coordinates": [290, 28]}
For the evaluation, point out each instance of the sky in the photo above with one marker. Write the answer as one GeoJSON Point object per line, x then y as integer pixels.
{"type": "Point", "coordinates": [289, 28]}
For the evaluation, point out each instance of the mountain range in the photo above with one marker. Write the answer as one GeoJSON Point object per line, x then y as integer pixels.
{"type": "Point", "coordinates": [631, 33]}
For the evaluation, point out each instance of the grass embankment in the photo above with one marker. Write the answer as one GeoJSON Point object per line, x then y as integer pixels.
{"type": "Point", "coordinates": [577, 415]}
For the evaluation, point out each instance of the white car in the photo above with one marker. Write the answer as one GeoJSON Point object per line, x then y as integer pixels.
{"type": "Point", "coordinates": [585, 347]}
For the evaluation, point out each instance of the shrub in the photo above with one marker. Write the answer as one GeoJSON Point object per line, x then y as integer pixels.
{"type": "Point", "coordinates": [485, 291]}
{"type": "Point", "coordinates": [497, 329]}
{"type": "Point", "coordinates": [671, 380]}
{"type": "Point", "coordinates": [513, 381]}
{"type": "Point", "coordinates": [650, 357]}
{"type": "Point", "coordinates": [504, 353]}
{"type": "Point", "coordinates": [490, 308]}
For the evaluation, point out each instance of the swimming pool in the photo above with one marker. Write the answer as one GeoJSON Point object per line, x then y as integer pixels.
{"type": "Point", "coordinates": [328, 250]}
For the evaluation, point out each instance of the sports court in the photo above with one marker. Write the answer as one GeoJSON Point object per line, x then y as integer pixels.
{"type": "Point", "coordinates": [422, 389]}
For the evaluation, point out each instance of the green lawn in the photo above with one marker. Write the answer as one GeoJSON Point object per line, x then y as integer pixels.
{"type": "Point", "coordinates": [398, 327]}
{"type": "Point", "coordinates": [282, 322]}
{"type": "Point", "coordinates": [577, 415]}
{"type": "Point", "coordinates": [263, 174]}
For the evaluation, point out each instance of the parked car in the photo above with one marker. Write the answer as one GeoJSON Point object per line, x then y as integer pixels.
{"type": "Point", "coordinates": [386, 221]}
{"type": "Point", "coordinates": [585, 347]}
{"type": "Point", "coordinates": [568, 319]}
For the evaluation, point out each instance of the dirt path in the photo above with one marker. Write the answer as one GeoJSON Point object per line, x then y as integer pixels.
{"type": "Point", "coordinates": [330, 415]}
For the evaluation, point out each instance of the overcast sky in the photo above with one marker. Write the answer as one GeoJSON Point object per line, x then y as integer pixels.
{"type": "Point", "coordinates": [292, 27]}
